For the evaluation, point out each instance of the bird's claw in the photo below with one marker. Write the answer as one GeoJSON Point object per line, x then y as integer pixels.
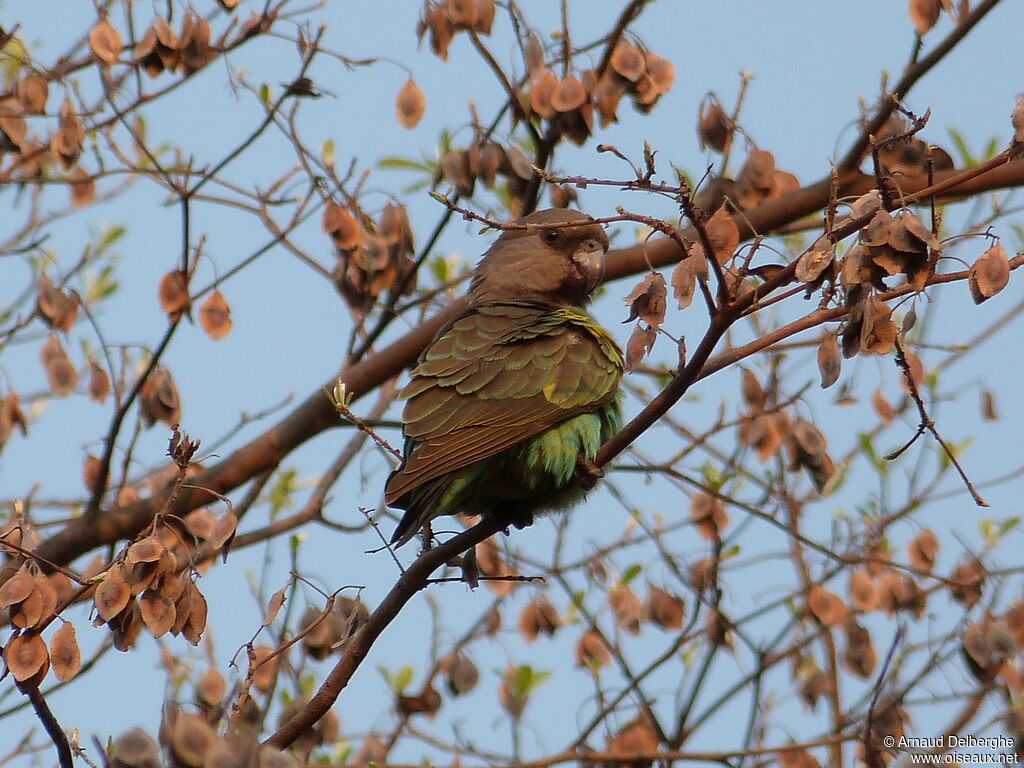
{"type": "Point", "coordinates": [522, 520]}
{"type": "Point", "coordinates": [587, 473]}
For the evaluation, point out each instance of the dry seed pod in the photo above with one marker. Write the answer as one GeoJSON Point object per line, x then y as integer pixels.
{"type": "Point", "coordinates": [146, 550]}
{"type": "Point", "coordinates": [714, 127]}
{"type": "Point", "coordinates": [647, 300]}
{"type": "Point", "coordinates": [27, 658]}
{"type": "Point", "coordinates": [922, 550]}
{"type": "Point", "coordinates": [157, 612]}
{"type": "Point", "coordinates": [159, 400]}
{"type": "Point", "coordinates": [212, 687]}
{"type": "Point", "coordinates": [863, 591]}
{"type": "Point", "coordinates": [538, 617]}
{"type": "Point", "coordinates": [195, 51]}
{"type": "Point", "coordinates": [196, 624]}
{"type": "Point", "coordinates": [32, 93]}
{"type": "Point", "coordinates": [463, 12]}
{"type": "Point", "coordinates": [882, 407]}
{"type": "Point", "coordinates": [410, 104]}
{"type": "Point", "coordinates": [461, 673]}
{"type": "Point", "coordinates": [635, 737]}
{"type": "Point", "coordinates": [814, 262]}
{"type": "Point", "coordinates": [99, 383]}
{"type": "Point", "coordinates": [684, 282]}
{"type": "Point", "coordinates": [859, 655]}
{"type": "Point", "coordinates": [830, 361]}
{"type": "Point", "coordinates": [628, 61]}
{"type": "Point", "coordinates": [627, 607]}
{"type": "Point", "coordinates": [723, 235]}
{"type": "Point", "coordinates": [427, 702]}
{"type": "Point", "coordinates": [58, 309]}
{"type": "Point", "coordinates": [568, 95]}
{"type": "Point", "coordinates": [60, 372]}
{"type": "Point", "coordinates": [341, 226]}
{"type": "Point", "coordinates": [665, 609]}
{"type": "Point", "coordinates": [591, 651]}
{"type": "Point", "coordinates": [17, 588]}
{"type": "Point", "coordinates": [989, 274]}
{"type": "Point", "coordinates": [924, 14]}
{"type": "Point", "coordinates": [112, 594]}
{"type": "Point", "coordinates": [135, 749]}
{"type": "Point", "coordinates": [641, 342]}
{"type": "Point", "coordinates": [39, 606]}
{"type": "Point", "coordinates": [541, 90]}
{"type": "Point", "coordinates": [191, 738]}
{"type": "Point", "coordinates": [215, 316]}
{"type": "Point", "coordinates": [662, 72]}
{"type": "Point", "coordinates": [827, 607]}
{"type": "Point", "coordinates": [66, 142]}
{"type": "Point", "coordinates": [708, 515]}
{"type": "Point", "coordinates": [105, 42]}
{"type": "Point", "coordinates": [265, 667]}
{"type": "Point", "coordinates": [172, 294]}
{"type": "Point", "coordinates": [493, 564]}
{"type": "Point", "coordinates": [968, 579]}
{"type": "Point", "coordinates": [65, 655]}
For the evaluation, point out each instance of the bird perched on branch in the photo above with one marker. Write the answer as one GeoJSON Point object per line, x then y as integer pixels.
{"type": "Point", "coordinates": [509, 403]}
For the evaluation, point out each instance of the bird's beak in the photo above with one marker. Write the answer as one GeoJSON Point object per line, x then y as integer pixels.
{"type": "Point", "coordinates": [589, 261]}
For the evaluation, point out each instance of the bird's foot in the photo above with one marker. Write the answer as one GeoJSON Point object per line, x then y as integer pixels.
{"type": "Point", "coordinates": [519, 520]}
{"type": "Point", "coordinates": [522, 520]}
{"type": "Point", "coordinates": [587, 473]}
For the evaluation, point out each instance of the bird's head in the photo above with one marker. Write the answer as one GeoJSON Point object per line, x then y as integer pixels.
{"type": "Point", "coordinates": [558, 257]}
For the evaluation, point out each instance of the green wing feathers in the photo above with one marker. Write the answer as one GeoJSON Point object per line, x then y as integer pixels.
{"type": "Point", "coordinates": [499, 375]}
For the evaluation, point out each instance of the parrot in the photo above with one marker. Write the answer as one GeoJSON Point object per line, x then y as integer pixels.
{"type": "Point", "coordinates": [506, 408]}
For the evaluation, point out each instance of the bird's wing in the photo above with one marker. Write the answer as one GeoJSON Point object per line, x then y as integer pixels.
{"type": "Point", "coordinates": [499, 375]}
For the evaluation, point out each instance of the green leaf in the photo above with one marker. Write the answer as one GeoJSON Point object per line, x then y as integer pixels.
{"type": "Point", "coordinates": [631, 573]}
{"type": "Point", "coordinates": [688, 655]}
{"type": "Point", "coordinates": [110, 235]}
{"type": "Point", "coordinates": [13, 55]}
{"type": "Point", "coordinates": [412, 188]}
{"type": "Point", "coordinates": [265, 95]}
{"type": "Point", "coordinates": [711, 475]}
{"type": "Point", "coordinates": [307, 684]}
{"type": "Point", "coordinates": [281, 491]}
{"type": "Point", "coordinates": [991, 148]}
{"type": "Point", "coordinates": [341, 751]}
{"type": "Point", "coordinates": [957, 449]}
{"type": "Point", "coordinates": [987, 530]}
{"type": "Point", "coordinates": [1018, 233]}
{"type": "Point", "coordinates": [439, 269]}
{"type": "Point", "coordinates": [872, 456]}
{"type": "Point", "coordinates": [394, 163]}
{"type": "Point", "coordinates": [327, 152]}
{"type": "Point", "coordinates": [100, 284]}
{"type": "Point", "coordinates": [401, 678]}
{"type": "Point", "coordinates": [526, 680]}
{"type": "Point", "coordinates": [960, 144]}
{"type": "Point", "coordinates": [1008, 525]}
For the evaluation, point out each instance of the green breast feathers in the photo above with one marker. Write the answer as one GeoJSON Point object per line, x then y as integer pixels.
{"type": "Point", "coordinates": [501, 408]}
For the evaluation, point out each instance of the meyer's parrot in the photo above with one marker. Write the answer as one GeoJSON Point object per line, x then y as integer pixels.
{"type": "Point", "coordinates": [509, 403]}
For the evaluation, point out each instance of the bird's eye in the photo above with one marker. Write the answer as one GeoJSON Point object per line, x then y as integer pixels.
{"type": "Point", "coordinates": [549, 235]}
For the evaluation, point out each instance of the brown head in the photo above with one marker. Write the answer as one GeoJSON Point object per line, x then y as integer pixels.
{"type": "Point", "coordinates": [558, 258]}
